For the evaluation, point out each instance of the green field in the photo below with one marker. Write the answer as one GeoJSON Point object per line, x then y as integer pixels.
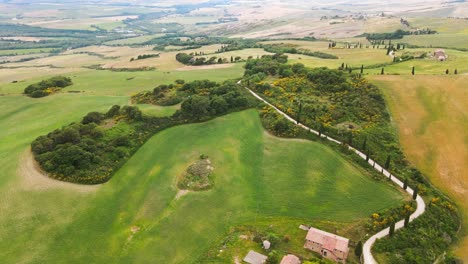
{"type": "Point", "coordinates": [134, 40]}
{"type": "Point", "coordinates": [24, 51]}
{"type": "Point", "coordinates": [438, 40]}
{"type": "Point", "coordinates": [256, 175]}
{"type": "Point", "coordinates": [104, 82]}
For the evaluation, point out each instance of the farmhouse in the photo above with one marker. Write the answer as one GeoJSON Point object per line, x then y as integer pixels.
{"type": "Point", "coordinates": [290, 259]}
{"type": "Point", "coordinates": [327, 244]}
{"type": "Point", "coordinates": [255, 258]}
{"type": "Point", "coordinates": [439, 54]}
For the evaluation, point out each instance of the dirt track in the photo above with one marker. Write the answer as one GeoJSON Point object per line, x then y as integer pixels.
{"type": "Point", "coordinates": [34, 179]}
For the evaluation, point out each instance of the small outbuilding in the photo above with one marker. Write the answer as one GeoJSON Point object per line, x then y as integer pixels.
{"type": "Point", "coordinates": [440, 55]}
{"type": "Point", "coordinates": [290, 259]}
{"type": "Point", "coordinates": [255, 258]}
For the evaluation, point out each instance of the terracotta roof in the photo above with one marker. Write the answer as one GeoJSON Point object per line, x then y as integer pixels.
{"type": "Point", "coordinates": [255, 258]}
{"type": "Point", "coordinates": [328, 241]}
{"type": "Point", "coordinates": [290, 259]}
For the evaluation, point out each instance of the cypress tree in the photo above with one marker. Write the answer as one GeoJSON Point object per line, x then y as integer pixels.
{"type": "Point", "coordinates": [405, 184]}
{"type": "Point", "coordinates": [415, 193]}
{"type": "Point", "coordinates": [387, 162]}
{"type": "Point", "coordinates": [299, 113]}
{"type": "Point", "coordinates": [407, 220]}
{"type": "Point", "coordinates": [362, 69]}
{"type": "Point", "coordinates": [342, 65]}
{"type": "Point", "coordinates": [382, 71]}
{"type": "Point", "coordinates": [358, 249]}
{"type": "Point", "coordinates": [446, 71]}
{"type": "Point", "coordinates": [455, 71]}
{"type": "Point", "coordinates": [412, 71]}
{"type": "Point", "coordinates": [392, 229]}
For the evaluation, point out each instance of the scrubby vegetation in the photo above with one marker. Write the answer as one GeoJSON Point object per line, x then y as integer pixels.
{"type": "Point", "coordinates": [145, 56]}
{"type": "Point", "coordinates": [198, 175]}
{"type": "Point", "coordinates": [90, 152]}
{"type": "Point", "coordinates": [425, 239]}
{"type": "Point", "coordinates": [47, 87]}
{"type": "Point", "coordinates": [347, 107]}
{"type": "Point", "coordinates": [191, 59]}
{"type": "Point", "coordinates": [289, 48]}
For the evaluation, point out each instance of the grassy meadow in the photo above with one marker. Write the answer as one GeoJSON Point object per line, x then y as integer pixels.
{"type": "Point", "coordinates": [136, 218]}
{"type": "Point", "coordinates": [430, 112]}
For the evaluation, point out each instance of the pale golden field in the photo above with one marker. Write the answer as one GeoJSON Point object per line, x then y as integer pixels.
{"type": "Point", "coordinates": [432, 117]}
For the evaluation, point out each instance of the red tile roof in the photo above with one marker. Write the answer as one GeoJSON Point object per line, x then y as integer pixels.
{"type": "Point", "coordinates": [290, 259]}
{"type": "Point", "coordinates": [328, 241]}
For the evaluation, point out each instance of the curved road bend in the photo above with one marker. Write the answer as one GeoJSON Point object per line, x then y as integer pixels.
{"type": "Point", "coordinates": [421, 206]}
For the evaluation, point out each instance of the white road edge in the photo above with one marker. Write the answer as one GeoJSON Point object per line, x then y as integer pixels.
{"type": "Point", "coordinates": [421, 206]}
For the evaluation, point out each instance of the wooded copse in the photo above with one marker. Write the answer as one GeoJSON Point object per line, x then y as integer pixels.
{"type": "Point", "coordinates": [47, 87]}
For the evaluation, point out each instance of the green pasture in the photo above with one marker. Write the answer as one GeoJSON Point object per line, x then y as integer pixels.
{"type": "Point", "coordinates": [256, 175]}
{"type": "Point", "coordinates": [106, 82]}
{"type": "Point", "coordinates": [24, 51]}
{"type": "Point", "coordinates": [134, 40]}
{"type": "Point", "coordinates": [438, 40]}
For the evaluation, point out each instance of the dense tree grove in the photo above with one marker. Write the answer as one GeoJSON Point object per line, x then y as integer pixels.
{"type": "Point", "coordinates": [397, 34]}
{"type": "Point", "coordinates": [145, 56]}
{"type": "Point", "coordinates": [86, 152]}
{"type": "Point", "coordinates": [292, 49]}
{"type": "Point", "coordinates": [90, 152]}
{"type": "Point", "coordinates": [192, 59]}
{"type": "Point", "coordinates": [47, 87]}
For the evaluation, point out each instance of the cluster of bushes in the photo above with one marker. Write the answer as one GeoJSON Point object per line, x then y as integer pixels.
{"type": "Point", "coordinates": [283, 48]}
{"type": "Point", "coordinates": [191, 59]}
{"type": "Point", "coordinates": [206, 99]}
{"type": "Point", "coordinates": [46, 87]}
{"type": "Point", "coordinates": [163, 95]}
{"type": "Point", "coordinates": [145, 56]}
{"type": "Point", "coordinates": [424, 239]}
{"type": "Point", "coordinates": [90, 152]}
{"type": "Point", "coordinates": [267, 65]}
{"type": "Point", "coordinates": [86, 152]}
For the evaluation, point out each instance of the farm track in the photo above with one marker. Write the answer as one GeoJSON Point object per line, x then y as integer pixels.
{"type": "Point", "coordinates": [421, 206]}
{"type": "Point", "coordinates": [35, 179]}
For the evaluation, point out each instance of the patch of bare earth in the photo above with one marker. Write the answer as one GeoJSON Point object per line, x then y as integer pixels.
{"type": "Point", "coordinates": [133, 230]}
{"type": "Point", "coordinates": [181, 193]}
{"type": "Point", "coordinates": [33, 178]}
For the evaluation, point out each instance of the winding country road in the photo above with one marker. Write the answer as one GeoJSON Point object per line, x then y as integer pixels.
{"type": "Point", "coordinates": [421, 206]}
